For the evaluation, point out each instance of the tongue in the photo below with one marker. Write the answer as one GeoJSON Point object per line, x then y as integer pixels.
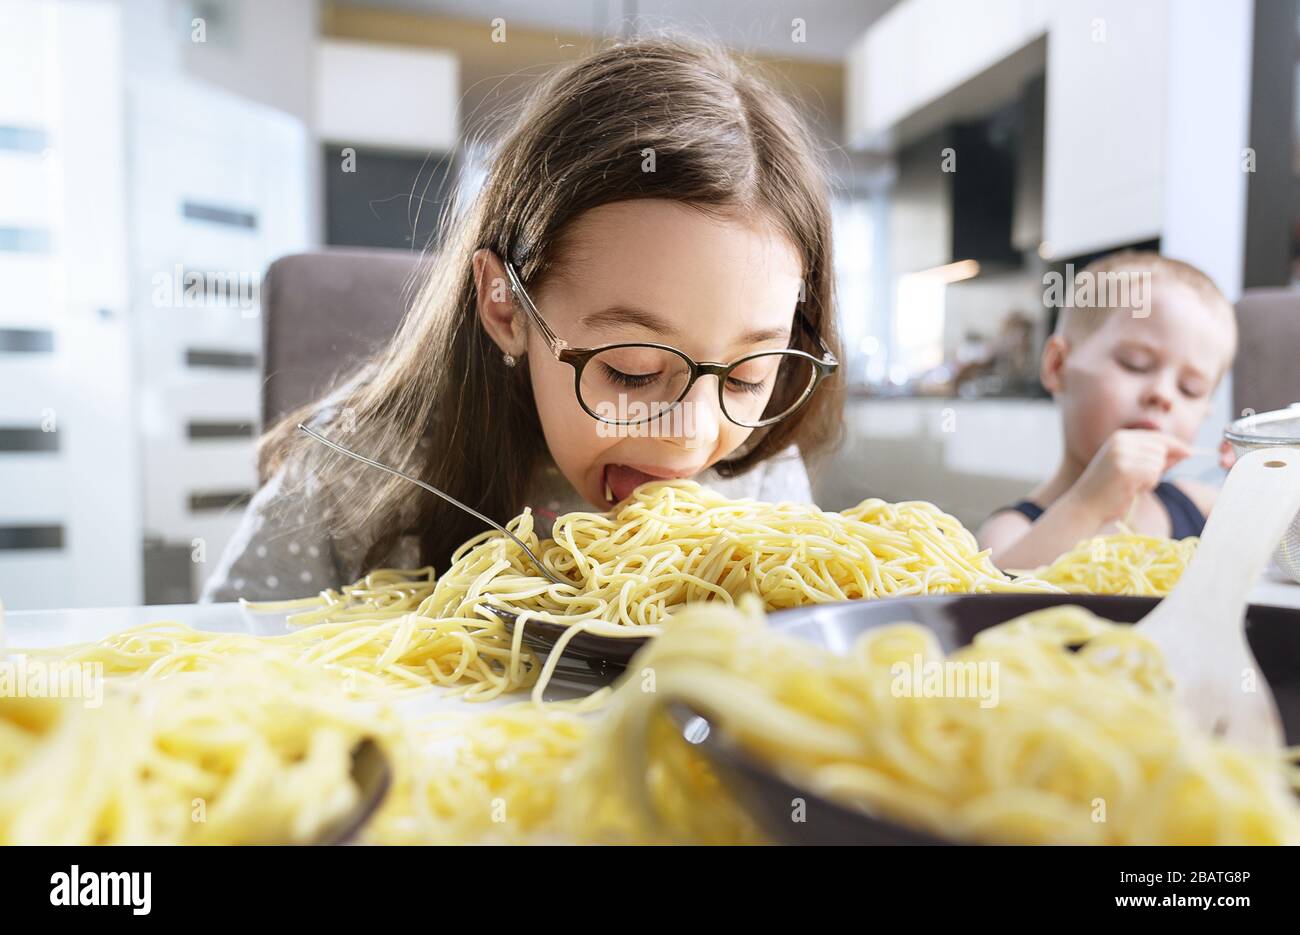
{"type": "Point", "coordinates": [623, 480]}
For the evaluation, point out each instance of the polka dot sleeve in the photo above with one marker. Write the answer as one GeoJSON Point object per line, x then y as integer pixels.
{"type": "Point", "coordinates": [281, 548]}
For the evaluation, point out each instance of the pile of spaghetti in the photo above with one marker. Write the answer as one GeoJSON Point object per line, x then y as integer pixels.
{"type": "Point", "coordinates": [257, 751]}
{"type": "Point", "coordinates": [1083, 746]}
{"type": "Point", "coordinates": [1037, 742]}
{"type": "Point", "coordinates": [248, 752]}
{"type": "Point", "coordinates": [1124, 563]}
{"type": "Point", "coordinates": [674, 542]}
{"type": "Point", "coordinates": [669, 544]}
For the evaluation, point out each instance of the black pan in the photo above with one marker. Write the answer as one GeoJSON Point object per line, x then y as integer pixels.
{"type": "Point", "coordinates": [1273, 633]}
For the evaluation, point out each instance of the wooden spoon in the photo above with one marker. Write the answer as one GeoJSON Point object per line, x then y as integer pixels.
{"type": "Point", "coordinates": [1200, 626]}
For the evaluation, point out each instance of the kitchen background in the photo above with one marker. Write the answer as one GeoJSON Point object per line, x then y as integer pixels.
{"type": "Point", "coordinates": [156, 156]}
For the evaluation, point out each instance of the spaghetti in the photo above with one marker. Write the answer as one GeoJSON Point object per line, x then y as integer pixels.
{"type": "Point", "coordinates": [674, 542]}
{"type": "Point", "coordinates": [1120, 564]}
{"type": "Point", "coordinates": [250, 752]}
{"type": "Point", "coordinates": [258, 750]}
{"type": "Point", "coordinates": [380, 649]}
{"type": "Point", "coordinates": [1079, 746]}
{"type": "Point", "coordinates": [670, 544]}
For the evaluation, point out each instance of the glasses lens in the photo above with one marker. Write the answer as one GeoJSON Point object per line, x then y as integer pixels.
{"type": "Point", "coordinates": [633, 383]}
{"type": "Point", "coordinates": [767, 386]}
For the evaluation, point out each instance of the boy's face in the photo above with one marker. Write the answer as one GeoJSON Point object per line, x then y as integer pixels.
{"type": "Point", "coordinates": [715, 289]}
{"type": "Point", "coordinates": [1152, 373]}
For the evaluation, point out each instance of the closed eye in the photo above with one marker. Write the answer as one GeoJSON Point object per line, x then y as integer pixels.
{"type": "Point", "coordinates": [630, 380]}
{"type": "Point", "coordinates": [743, 386]}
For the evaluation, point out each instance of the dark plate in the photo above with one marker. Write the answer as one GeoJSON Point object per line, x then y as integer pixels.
{"type": "Point", "coordinates": [1273, 633]}
{"type": "Point", "coordinates": [605, 655]}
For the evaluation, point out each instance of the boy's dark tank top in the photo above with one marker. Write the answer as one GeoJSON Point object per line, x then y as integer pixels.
{"type": "Point", "coordinates": [1185, 519]}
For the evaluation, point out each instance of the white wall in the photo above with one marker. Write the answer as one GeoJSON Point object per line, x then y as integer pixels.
{"type": "Point", "coordinates": [141, 125]}
{"type": "Point", "coordinates": [268, 55]}
{"type": "Point", "coordinates": [922, 50]}
{"type": "Point", "coordinates": [63, 77]}
{"type": "Point", "coordinates": [192, 144]}
{"type": "Point", "coordinates": [262, 52]}
{"type": "Point", "coordinates": [379, 95]}
{"type": "Point", "coordinates": [1105, 143]}
{"type": "Point", "coordinates": [1207, 127]}
{"type": "Point", "coordinates": [1146, 113]}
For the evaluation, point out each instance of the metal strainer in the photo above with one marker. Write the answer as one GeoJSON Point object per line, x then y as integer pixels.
{"type": "Point", "coordinates": [1269, 430]}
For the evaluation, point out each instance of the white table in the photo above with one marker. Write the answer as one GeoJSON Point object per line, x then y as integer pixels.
{"type": "Point", "coordinates": [40, 629]}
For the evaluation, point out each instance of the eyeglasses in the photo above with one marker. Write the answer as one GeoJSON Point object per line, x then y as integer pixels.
{"type": "Point", "coordinates": [632, 383]}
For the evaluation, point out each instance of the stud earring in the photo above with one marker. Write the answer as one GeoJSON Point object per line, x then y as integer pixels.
{"type": "Point", "coordinates": [509, 359]}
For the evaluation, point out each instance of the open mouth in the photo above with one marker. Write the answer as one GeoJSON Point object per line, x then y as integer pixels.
{"type": "Point", "coordinates": [619, 481]}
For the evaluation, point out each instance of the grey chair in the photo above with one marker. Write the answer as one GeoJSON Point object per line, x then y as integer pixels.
{"type": "Point", "coordinates": [322, 313]}
{"type": "Point", "coordinates": [1267, 372]}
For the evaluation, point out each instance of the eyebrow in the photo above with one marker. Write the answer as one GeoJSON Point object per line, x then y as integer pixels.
{"type": "Point", "coordinates": [1132, 344]}
{"type": "Point", "coordinates": [622, 315]}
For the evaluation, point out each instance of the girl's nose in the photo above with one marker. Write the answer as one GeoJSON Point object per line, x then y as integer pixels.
{"type": "Point", "coordinates": [701, 417]}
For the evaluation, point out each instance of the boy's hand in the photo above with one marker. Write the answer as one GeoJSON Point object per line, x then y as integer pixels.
{"type": "Point", "coordinates": [1130, 463]}
{"type": "Point", "coordinates": [1227, 455]}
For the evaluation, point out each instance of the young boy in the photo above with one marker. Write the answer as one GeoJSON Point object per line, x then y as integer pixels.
{"type": "Point", "coordinates": [1133, 385]}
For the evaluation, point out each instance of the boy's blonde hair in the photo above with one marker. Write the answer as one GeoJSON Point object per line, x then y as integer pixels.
{"type": "Point", "coordinates": [1076, 324]}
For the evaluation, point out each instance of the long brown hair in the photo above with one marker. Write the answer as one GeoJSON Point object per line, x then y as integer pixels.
{"type": "Point", "coordinates": [438, 399]}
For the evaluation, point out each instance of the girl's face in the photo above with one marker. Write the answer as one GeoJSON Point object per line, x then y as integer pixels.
{"type": "Point", "coordinates": [659, 272]}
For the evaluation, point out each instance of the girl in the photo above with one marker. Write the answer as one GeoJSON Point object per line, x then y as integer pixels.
{"type": "Point", "coordinates": [641, 290]}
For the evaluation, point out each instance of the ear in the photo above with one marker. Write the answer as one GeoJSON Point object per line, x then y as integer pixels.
{"type": "Point", "coordinates": [502, 319]}
{"type": "Point", "coordinates": [1055, 351]}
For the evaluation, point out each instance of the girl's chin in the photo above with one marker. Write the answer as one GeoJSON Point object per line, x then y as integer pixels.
{"type": "Point", "coordinates": [594, 493]}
